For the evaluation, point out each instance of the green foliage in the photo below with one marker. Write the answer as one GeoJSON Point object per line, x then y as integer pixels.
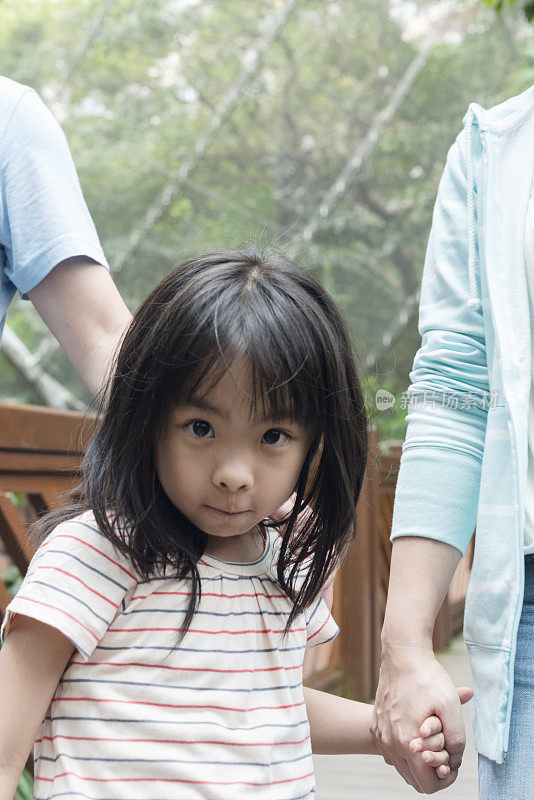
{"type": "Point", "coordinates": [389, 422]}
{"type": "Point", "coordinates": [25, 787]}
{"type": "Point", "coordinates": [136, 89]}
{"type": "Point", "coordinates": [12, 579]}
{"type": "Point", "coordinates": [526, 5]}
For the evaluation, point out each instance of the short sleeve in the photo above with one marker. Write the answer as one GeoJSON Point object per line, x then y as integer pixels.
{"type": "Point", "coordinates": [76, 582]}
{"type": "Point", "coordinates": [320, 624]}
{"type": "Point", "coordinates": [43, 215]}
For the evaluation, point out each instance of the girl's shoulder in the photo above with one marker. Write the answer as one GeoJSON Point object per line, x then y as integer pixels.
{"type": "Point", "coordinates": [81, 525]}
{"type": "Point", "coordinates": [81, 537]}
{"type": "Point", "coordinates": [77, 582]}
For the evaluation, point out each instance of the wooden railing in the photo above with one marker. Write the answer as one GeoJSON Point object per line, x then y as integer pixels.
{"type": "Point", "coordinates": [40, 451]}
{"type": "Point", "coordinates": [41, 448]}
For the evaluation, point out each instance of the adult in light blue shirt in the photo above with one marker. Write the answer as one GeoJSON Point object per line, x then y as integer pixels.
{"type": "Point", "coordinates": [49, 248]}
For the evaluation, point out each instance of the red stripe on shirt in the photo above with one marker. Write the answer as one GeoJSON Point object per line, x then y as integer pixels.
{"type": "Point", "coordinates": [55, 608]}
{"type": "Point", "coordinates": [196, 630]}
{"type": "Point", "coordinates": [319, 629]}
{"type": "Point", "coordinates": [74, 577]}
{"type": "Point", "coordinates": [213, 594]}
{"type": "Point", "coordinates": [177, 780]}
{"type": "Point", "coordinates": [92, 547]}
{"type": "Point", "coordinates": [168, 741]}
{"type": "Point", "coordinates": [172, 705]}
{"type": "Point", "coordinates": [178, 669]}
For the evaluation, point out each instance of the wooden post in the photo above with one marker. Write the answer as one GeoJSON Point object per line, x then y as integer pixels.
{"type": "Point", "coordinates": [355, 589]}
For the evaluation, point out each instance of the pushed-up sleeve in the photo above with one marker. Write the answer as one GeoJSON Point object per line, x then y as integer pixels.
{"type": "Point", "coordinates": [76, 583]}
{"type": "Point", "coordinates": [320, 624]}
{"type": "Point", "coordinates": [439, 478]}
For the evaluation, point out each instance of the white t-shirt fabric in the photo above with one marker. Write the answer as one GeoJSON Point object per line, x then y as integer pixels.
{"type": "Point", "coordinates": [529, 495]}
{"type": "Point", "coordinates": [221, 717]}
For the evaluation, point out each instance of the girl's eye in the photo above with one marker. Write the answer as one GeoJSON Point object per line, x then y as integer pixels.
{"type": "Point", "coordinates": [275, 436]}
{"type": "Point", "coordinates": [200, 429]}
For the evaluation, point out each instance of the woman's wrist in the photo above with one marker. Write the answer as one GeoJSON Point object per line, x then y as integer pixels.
{"type": "Point", "coordinates": [397, 635]}
{"type": "Point", "coordinates": [396, 642]}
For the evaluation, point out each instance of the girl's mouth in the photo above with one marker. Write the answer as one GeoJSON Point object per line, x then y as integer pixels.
{"type": "Point", "coordinates": [228, 514]}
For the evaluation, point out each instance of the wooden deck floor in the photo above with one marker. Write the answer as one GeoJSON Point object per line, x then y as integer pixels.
{"type": "Point", "coordinates": [369, 778]}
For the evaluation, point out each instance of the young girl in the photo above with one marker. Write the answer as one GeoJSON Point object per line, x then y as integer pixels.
{"type": "Point", "coordinates": [155, 647]}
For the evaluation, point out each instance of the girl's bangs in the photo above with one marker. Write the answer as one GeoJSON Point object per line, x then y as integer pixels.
{"type": "Point", "coordinates": [281, 386]}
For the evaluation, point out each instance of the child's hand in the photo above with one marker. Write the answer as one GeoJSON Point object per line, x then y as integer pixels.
{"type": "Point", "coordinates": [432, 741]}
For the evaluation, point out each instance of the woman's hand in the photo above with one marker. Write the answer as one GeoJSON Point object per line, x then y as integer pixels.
{"type": "Point", "coordinates": [414, 687]}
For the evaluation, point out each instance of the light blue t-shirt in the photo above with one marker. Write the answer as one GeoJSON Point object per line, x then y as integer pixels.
{"type": "Point", "coordinates": [43, 216]}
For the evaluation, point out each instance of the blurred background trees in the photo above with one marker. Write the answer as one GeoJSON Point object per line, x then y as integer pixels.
{"type": "Point", "coordinates": [320, 127]}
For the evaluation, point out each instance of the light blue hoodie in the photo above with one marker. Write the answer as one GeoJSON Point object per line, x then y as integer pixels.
{"type": "Point", "coordinates": [465, 463]}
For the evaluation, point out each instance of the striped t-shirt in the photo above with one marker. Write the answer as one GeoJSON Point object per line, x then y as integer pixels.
{"type": "Point", "coordinates": [221, 717]}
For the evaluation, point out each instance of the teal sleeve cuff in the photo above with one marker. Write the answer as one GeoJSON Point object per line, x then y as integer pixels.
{"type": "Point", "coordinates": [437, 495]}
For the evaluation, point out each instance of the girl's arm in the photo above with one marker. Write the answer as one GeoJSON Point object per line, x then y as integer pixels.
{"type": "Point", "coordinates": [338, 725]}
{"type": "Point", "coordinates": [32, 661]}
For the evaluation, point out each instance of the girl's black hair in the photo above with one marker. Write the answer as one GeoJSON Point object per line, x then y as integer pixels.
{"type": "Point", "coordinates": [204, 315]}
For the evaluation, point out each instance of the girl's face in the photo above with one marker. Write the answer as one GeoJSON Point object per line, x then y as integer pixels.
{"type": "Point", "coordinates": [224, 470]}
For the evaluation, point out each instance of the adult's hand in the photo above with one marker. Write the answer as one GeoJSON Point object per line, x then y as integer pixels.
{"type": "Point", "coordinates": [414, 686]}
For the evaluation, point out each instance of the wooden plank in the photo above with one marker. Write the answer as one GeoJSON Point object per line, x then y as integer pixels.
{"type": "Point", "coordinates": [30, 463]}
{"type": "Point", "coordinates": [38, 428]}
{"type": "Point", "coordinates": [38, 484]}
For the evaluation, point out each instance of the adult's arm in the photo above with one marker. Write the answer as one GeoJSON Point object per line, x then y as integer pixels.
{"type": "Point", "coordinates": [438, 486]}
{"type": "Point", "coordinates": [81, 305]}
{"type": "Point", "coordinates": [53, 254]}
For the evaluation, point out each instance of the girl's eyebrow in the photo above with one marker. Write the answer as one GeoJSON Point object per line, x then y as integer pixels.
{"type": "Point", "coordinates": [202, 405]}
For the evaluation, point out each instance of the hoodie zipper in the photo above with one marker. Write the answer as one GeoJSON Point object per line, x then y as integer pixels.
{"type": "Point", "coordinates": [515, 455]}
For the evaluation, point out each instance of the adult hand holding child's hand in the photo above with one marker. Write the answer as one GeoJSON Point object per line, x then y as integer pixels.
{"type": "Point", "coordinates": [415, 698]}
{"type": "Point", "coordinates": [431, 742]}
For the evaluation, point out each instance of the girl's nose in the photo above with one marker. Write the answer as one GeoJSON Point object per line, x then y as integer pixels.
{"type": "Point", "coordinates": [233, 476]}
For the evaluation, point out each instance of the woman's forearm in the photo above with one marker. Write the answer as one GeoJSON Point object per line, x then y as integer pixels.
{"type": "Point", "coordinates": [420, 573]}
{"type": "Point", "coordinates": [338, 725]}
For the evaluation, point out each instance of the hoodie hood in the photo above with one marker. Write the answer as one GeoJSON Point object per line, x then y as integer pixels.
{"type": "Point", "coordinates": [500, 119]}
